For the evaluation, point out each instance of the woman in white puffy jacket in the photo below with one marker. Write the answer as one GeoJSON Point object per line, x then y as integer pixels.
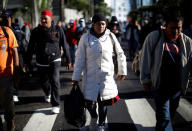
{"type": "Point", "coordinates": [94, 59]}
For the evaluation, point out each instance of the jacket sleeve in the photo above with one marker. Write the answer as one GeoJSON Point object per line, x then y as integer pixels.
{"type": "Point", "coordinates": [121, 59]}
{"type": "Point", "coordinates": [63, 43]}
{"type": "Point", "coordinates": [80, 59]}
{"type": "Point", "coordinates": [145, 60]}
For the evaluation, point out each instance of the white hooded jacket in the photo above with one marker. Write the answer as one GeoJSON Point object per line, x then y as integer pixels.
{"type": "Point", "coordinates": [94, 59]}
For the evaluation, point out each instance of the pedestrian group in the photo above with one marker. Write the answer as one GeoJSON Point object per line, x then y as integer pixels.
{"type": "Point", "coordinates": [91, 50]}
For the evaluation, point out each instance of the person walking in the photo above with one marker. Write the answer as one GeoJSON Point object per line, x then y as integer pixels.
{"type": "Point", "coordinates": [94, 59]}
{"type": "Point", "coordinates": [22, 34]}
{"type": "Point", "coordinates": [9, 74]}
{"type": "Point", "coordinates": [165, 68]}
{"type": "Point", "coordinates": [71, 39]}
{"type": "Point", "coordinates": [47, 41]}
{"type": "Point", "coordinates": [114, 27]}
{"type": "Point", "coordinates": [132, 37]}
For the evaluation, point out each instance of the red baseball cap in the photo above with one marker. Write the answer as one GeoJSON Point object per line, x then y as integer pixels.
{"type": "Point", "coordinates": [47, 12]}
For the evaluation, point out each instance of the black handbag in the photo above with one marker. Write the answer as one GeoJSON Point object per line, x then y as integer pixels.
{"type": "Point", "coordinates": [74, 107]}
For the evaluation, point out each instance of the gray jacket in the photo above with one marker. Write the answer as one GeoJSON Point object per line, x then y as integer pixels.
{"type": "Point", "coordinates": [150, 63]}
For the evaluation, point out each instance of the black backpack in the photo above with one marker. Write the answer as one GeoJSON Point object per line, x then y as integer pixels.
{"type": "Point", "coordinates": [21, 39]}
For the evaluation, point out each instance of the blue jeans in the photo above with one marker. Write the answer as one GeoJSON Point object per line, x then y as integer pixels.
{"type": "Point", "coordinates": [166, 105]}
{"type": "Point", "coordinates": [72, 53]}
{"type": "Point", "coordinates": [102, 110]}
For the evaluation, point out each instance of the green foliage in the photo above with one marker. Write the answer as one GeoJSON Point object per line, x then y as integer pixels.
{"type": "Point", "coordinates": [81, 5]}
{"type": "Point", "coordinates": [86, 6]}
{"type": "Point", "coordinates": [42, 4]}
{"type": "Point", "coordinates": [102, 7]}
{"type": "Point", "coordinates": [27, 3]}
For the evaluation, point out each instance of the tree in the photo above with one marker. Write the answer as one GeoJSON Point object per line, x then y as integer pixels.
{"type": "Point", "coordinates": [3, 4]}
{"type": "Point", "coordinates": [34, 7]}
{"type": "Point", "coordinates": [88, 5]}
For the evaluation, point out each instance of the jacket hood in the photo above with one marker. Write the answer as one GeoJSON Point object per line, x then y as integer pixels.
{"type": "Point", "coordinates": [19, 21]}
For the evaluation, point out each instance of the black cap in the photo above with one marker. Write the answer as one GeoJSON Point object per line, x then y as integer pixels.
{"type": "Point", "coordinates": [114, 20]}
{"type": "Point", "coordinates": [6, 13]}
{"type": "Point", "coordinates": [98, 17]}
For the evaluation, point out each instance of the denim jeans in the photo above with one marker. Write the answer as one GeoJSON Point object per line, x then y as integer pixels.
{"type": "Point", "coordinates": [50, 81]}
{"type": "Point", "coordinates": [92, 106]}
{"type": "Point", "coordinates": [72, 53]}
{"type": "Point", "coordinates": [166, 104]}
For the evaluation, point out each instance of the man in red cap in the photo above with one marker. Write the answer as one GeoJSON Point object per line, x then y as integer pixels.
{"type": "Point", "coordinates": [48, 41]}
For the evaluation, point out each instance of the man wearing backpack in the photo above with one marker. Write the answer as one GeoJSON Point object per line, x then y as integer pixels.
{"type": "Point", "coordinates": [47, 42]}
{"type": "Point", "coordinates": [22, 40]}
{"type": "Point", "coordinates": [9, 74]}
{"type": "Point", "coordinates": [22, 34]}
{"type": "Point", "coordinates": [165, 68]}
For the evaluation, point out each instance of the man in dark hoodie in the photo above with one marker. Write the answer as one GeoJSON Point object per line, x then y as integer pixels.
{"type": "Point", "coordinates": [115, 28]}
{"type": "Point", "coordinates": [47, 41]}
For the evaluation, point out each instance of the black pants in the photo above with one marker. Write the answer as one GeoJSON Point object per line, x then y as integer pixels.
{"type": "Point", "coordinates": [21, 74]}
{"type": "Point", "coordinates": [92, 106]}
{"type": "Point", "coordinates": [50, 81]}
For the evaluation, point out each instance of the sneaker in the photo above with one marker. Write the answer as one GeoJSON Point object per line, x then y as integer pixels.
{"type": "Point", "coordinates": [101, 128]}
{"type": "Point", "coordinates": [48, 98]}
{"type": "Point", "coordinates": [15, 98]}
{"type": "Point", "coordinates": [93, 124]}
{"type": "Point", "coordinates": [56, 110]}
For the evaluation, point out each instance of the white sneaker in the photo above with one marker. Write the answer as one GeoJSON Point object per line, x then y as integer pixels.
{"type": "Point", "coordinates": [93, 124]}
{"type": "Point", "coordinates": [48, 98]}
{"type": "Point", "coordinates": [101, 128]}
{"type": "Point", "coordinates": [15, 98]}
{"type": "Point", "coordinates": [56, 110]}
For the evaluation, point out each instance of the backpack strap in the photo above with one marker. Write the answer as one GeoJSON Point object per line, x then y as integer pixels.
{"type": "Point", "coordinates": [115, 61]}
{"type": "Point", "coordinates": [113, 42]}
{"type": "Point", "coordinates": [159, 36]}
{"type": "Point", "coordinates": [5, 32]}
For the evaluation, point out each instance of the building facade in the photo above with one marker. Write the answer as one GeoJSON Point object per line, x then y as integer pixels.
{"type": "Point", "coordinates": [120, 8]}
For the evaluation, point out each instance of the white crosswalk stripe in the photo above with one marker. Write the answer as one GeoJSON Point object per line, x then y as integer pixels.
{"type": "Point", "coordinates": [141, 114]}
{"type": "Point", "coordinates": [185, 109]}
{"type": "Point", "coordinates": [41, 120]}
{"type": "Point", "coordinates": [2, 118]}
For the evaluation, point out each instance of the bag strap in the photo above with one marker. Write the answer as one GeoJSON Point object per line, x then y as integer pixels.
{"type": "Point", "coordinates": [113, 42]}
{"type": "Point", "coordinates": [5, 32]}
{"type": "Point", "coordinates": [159, 36]}
{"type": "Point", "coordinates": [6, 35]}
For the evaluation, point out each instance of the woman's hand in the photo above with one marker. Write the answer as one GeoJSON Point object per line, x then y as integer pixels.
{"type": "Point", "coordinates": [74, 82]}
{"type": "Point", "coordinates": [121, 77]}
{"type": "Point", "coordinates": [69, 66]}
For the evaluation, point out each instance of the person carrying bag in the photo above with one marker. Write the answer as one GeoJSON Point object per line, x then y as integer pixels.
{"type": "Point", "coordinates": [94, 58]}
{"type": "Point", "coordinates": [74, 107]}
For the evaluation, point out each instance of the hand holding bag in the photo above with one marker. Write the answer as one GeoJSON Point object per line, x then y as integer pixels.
{"type": "Point", "coordinates": [74, 107]}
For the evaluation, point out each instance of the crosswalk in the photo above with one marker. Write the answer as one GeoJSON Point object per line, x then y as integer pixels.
{"type": "Point", "coordinates": [137, 112]}
{"type": "Point", "coordinates": [41, 120]}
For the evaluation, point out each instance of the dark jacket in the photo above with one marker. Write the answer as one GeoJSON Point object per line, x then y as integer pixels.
{"type": "Point", "coordinates": [46, 44]}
